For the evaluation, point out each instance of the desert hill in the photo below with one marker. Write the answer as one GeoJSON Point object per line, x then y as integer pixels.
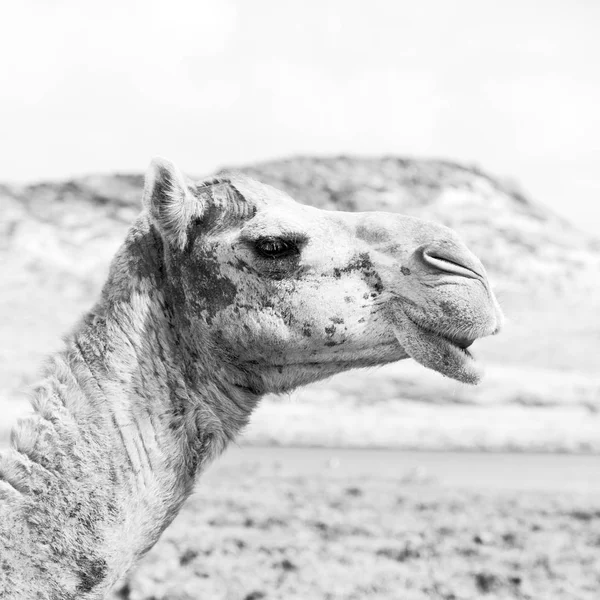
{"type": "Point", "coordinates": [522, 243]}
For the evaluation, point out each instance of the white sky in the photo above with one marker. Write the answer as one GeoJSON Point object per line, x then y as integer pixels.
{"type": "Point", "coordinates": [513, 86]}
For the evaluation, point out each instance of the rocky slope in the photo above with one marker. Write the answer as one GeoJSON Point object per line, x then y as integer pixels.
{"type": "Point", "coordinates": [69, 230]}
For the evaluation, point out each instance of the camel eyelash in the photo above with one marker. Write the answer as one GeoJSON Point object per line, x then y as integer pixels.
{"type": "Point", "coordinates": [276, 248]}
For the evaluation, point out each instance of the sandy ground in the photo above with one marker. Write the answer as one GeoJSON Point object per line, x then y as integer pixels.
{"type": "Point", "coordinates": [268, 529]}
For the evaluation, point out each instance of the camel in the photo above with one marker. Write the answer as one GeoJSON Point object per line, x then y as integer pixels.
{"type": "Point", "coordinates": [224, 290]}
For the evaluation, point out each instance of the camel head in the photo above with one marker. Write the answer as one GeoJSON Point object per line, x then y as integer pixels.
{"type": "Point", "coordinates": [286, 294]}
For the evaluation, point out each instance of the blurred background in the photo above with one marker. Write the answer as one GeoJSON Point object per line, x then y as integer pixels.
{"type": "Point", "coordinates": [391, 483]}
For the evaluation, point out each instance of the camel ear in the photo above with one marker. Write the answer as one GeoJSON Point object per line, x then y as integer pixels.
{"type": "Point", "coordinates": [169, 201]}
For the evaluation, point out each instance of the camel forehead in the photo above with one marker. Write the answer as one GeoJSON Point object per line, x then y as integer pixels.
{"type": "Point", "coordinates": [261, 194]}
{"type": "Point", "coordinates": [276, 213]}
{"type": "Point", "coordinates": [281, 219]}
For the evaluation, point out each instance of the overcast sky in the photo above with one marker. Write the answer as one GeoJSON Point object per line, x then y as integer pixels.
{"type": "Point", "coordinates": [513, 86]}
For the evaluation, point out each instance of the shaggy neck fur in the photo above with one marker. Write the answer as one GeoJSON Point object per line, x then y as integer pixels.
{"type": "Point", "coordinates": [127, 415]}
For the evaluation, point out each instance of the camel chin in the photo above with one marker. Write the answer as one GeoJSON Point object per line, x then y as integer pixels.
{"type": "Point", "coordinates": [436, 351]}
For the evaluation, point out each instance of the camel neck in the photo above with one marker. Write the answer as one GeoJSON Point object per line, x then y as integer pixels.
{"type": "Point", "coordinates": [179, 404]}
{"type": "Point", "coordinates": [168, 408]}
{"type": "Point", "coordinates": [127, 417]}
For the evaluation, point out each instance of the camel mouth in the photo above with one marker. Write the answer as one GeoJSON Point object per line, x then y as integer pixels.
{"type": "Point", "coordinates": [435, 350]}
{"type": "Point", "coordinates": [462, 342]}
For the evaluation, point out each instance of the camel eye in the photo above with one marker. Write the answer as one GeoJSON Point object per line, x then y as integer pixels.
{"type": "Point", "coordinates": [276, 248]}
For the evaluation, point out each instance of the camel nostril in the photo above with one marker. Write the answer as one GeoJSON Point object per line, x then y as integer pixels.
{"type": "Point", "coordinates": [447, 265]}
{"type": "Point", "coordinates": [452, 258]}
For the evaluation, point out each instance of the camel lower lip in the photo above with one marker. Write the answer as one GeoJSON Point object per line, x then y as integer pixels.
{"type": "Point", "coordinates": [461, 343]}
{"type": "Point", "coordinates": [435, 351]}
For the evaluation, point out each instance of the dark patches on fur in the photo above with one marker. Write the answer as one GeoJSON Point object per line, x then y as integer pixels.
{"type": "Point", "coordinates": [394, 248]}
{"type": "Point", "coordinates": [332, 343]}
{"type": "Point", "coordinates": [330, 330]}
{"type": "Point", "coordinates": [145, 251]}
{"type": "Point", "coordinates": [208, 288]}
{"type": "Point", "coordinates": [336, 320]}
{"type": "Point", "coordinates": [306, 332]}
{"type": "Point", "coordinates": [362, 264]}
{"type": "Point", "coordinates": [348, 299]}
{"type": "Point", "coordinates": [241, 265]}
{"type": "Point", "coordinates": [64, 518]}
{"type": "Point", "coordinates": [91, 573]}
{"type": "Point", "coordinates": [448, 308]}
{"type": "Point", "coordinates": [405, 270]}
